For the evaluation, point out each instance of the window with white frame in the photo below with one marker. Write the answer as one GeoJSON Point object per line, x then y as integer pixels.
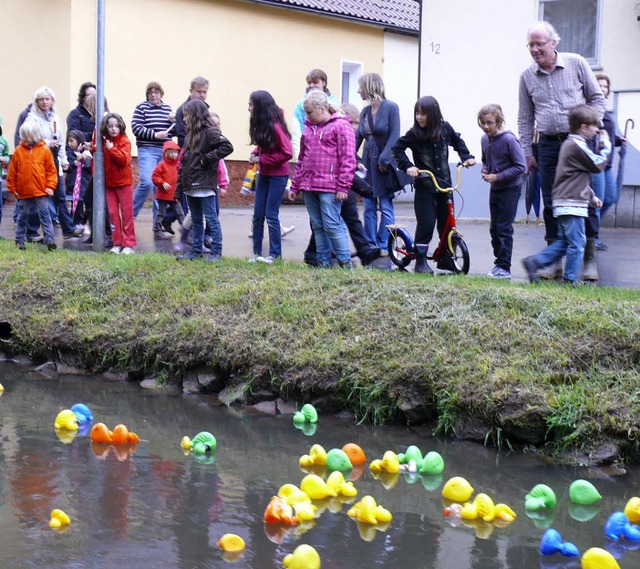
{"type": "Point", "coordinates": [578, 24]}
{"type": "Point", "coordinates": [351, 72]}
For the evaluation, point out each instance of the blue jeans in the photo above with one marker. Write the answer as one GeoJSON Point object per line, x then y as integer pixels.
{"type": "Point", "coordinates": [610, 191]}
{"type": "Point", "coordinates": [598, 186]}
{"type": "Point", "coordinates": [503, 205]}
{"type": "Point", "coordinates": [328, 227]}
{"type": "Point", "coordinates": [269, 192]}
{"type": "Point", "coordinates": [571, 241]}
{"type": "Point", "coordinates": [24, 208]}
{"type": "Point", "coordinates": [377, 233]}
{"type": "Point", "coordinates": [205, 209]}
{"type": "Point", "coordinates": [148, 158]}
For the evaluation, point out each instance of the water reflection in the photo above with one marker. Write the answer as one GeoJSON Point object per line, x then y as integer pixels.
{"type": "Point", "coordinates": [152, 506]}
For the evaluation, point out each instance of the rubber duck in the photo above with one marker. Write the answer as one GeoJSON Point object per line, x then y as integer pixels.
{"type": "Point", "coordinates": [504, 513]}
{"type": "Point", "coordinates": [316, 488]}
{"type": "Point", "coordinates": [540, 496]}
{"type": "Point", "coordinates": [454, 513]}
{"type": "Point", "coordinates": [303, 557]}
{"type": "Point", "coordinates": [432, 463]}
{"type": "Point", "coordinates": [457, 489]}
{"type": "Point", "coordinates": [1, 389]}
{"type": "Point", "coordinates": [583, 492]}
{"type": "Point", "coordinates": [337, 459]}
{"type": "Point", "coordinates": [551, 543]}
{"type": "Point", "coordinates": [596, 558]}
{"type": "Point", "coordinates": [306, 511]}
{"type": "Point", "coordinates": [355, 453]}
{"type": "Point", "coordinates": [632, 510]}
{"type": "Point", "coordinates": [278, 510]}
{"type": "Point", "coordinates": [187, 444]}
{"type": "Point", "coordinates": [307, 414]}
{"type": "Point", "coordinates": [293, 495]}
{"type": "Point", "coordinates": [618, 526]}
{"type": "Point", "coordinates": [412, 453]}
{"type": "Point", "coordinates": [368, 512]}
{"type": "Point", "coordinates": [482, 507]}
{"type": "Point", "coordinates": [83, 413]}
{"type": "Point", "coordinates": [64, 436]}
{"type": "Point", "coordinates": [317, 456]}
{"type": "Point", "coordinates": [389, 463]}
{"type": "Point", "coordinates": [231, 542]}
{"type": "Point", "coordinates": [66, 420]}
{"type": "Point", "coordinates": [204, 442]}
{"type": "Point", "coordinates": [59, 519]}
{"type": "Point", "coordinates": [121, 435]}
{"type": "Point", "coordinates": [340, 486]}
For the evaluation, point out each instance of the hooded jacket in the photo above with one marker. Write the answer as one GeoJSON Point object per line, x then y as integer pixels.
{"type": "Point", "coordinates": [31, 171]}
{"type": "Point", "coordinates": [166, 172]}
{"type": "Point", "coordinates": [117, 163]}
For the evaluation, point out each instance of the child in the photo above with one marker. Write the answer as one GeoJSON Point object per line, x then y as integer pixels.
{"type": "Point", "coordinates": [571, 194]}
{"type": "Point", "coordinates": [324, 171]}
{"type": "Point", "coordinates": [165, 178]}
{"type": "Point", "coordinates": [429, 142]}
{"type": "Point", "coordinates": [77, 182]}
{"type": "Point", "coordinates": [32, 178]}
{"type": "Point", "coordinates": [502, 166]}
{"type": "Point", "coordinates": [268, 131]}
{"type": "Point", "coordinates": [4, 163]}
{"type": "Point", "coordinates": [118, 183]}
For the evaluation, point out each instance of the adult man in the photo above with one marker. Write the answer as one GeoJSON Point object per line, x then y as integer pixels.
{"type": "Point", "coordinates": [554, 84]}
{"type": "Point", "coordinates": [198, 90]}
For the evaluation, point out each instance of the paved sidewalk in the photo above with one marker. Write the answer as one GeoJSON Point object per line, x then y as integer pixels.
{"type": "Point", "coordinates": [619, 266]}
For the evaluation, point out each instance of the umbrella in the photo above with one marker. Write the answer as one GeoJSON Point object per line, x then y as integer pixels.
{"type": "Point", "coordinates": [532, 190]}
{"type": "Point", "coordinates": [622, 153]}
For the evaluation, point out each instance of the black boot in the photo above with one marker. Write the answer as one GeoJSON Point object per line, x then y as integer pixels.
{"type": "Point", "coordinates": [422, 266]}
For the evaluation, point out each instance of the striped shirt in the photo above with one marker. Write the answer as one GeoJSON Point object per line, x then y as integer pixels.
{"type": "Point", "coordinates": [149, 119]}
{"type": "Point", "coordinates": [545, 99]}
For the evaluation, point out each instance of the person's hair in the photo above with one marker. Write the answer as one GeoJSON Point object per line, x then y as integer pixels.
{"type": "Point", "coordinates": [433, 131]}
{"type": "Point", "coordinates": [552, 34]}
{"type": "Point", "coordinates": [266, 113]}
{"type": "Point", "coordinates": [198, 82]}
{"type": "Point", "coordinates": [319, 100]}
{"type": "Point", "coordinates": [91, 105]}
{"type": "Point", "coordinates": [372, 87]}
{"type": "Point", "coordinates": [319, 75]}
{"type": "Point", "coordinates": [30, 131]}
{"type": "Point", "coordinates": [103, 125]}
{"type": "Point", "coordinates": [82, 92]}
{"type": "Point", "coordinates": [199, 119]}
{"type": "Point", "coordinates": [44, 92]}
{"type": "Point", "coordinates": [603, 77]}
{"type": "Point", "coordinates": [492, 109]}
{"type": "Point", "coordinates": [350, 110]}
{"type": "Point", "coordinates": [582, 114]}
{"type": "Point", "coordinates": [78, 135]}
{"type": "Point", "coordinates": [154, 85]}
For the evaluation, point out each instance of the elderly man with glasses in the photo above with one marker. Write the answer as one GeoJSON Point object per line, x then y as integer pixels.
{"type": "Point", "coordinates": [549, 88]}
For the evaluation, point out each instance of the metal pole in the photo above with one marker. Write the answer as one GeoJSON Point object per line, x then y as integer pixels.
{"type": "Point", "coordinates": [98, 169]}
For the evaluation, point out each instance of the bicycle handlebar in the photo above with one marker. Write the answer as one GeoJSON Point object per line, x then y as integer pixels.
{"type": "Point", "coordinates": [429, 173]}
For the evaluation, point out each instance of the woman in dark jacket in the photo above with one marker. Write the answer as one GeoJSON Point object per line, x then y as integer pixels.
{"type": "Point", "coordinates": [204, 147]}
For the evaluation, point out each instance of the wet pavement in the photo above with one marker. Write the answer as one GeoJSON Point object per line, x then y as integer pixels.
{"type": "Point", "coordinates": [618, 266]}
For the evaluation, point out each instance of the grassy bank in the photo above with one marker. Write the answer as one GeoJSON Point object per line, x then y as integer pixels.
{"type": "Point", "coordinates": [549, 365]}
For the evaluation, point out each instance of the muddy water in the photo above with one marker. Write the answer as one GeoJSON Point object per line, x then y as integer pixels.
{"type": "Point", "coordinates": [156, 507]}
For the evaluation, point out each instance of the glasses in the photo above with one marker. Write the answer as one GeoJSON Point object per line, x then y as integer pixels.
{"type": "Point", "coordinates": [538, 44]}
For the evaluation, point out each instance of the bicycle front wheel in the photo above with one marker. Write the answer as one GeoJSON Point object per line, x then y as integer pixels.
{"type": "Point", "coordinates": [459, 255]}
{"type": "Point", "coordinates": [399, 248]}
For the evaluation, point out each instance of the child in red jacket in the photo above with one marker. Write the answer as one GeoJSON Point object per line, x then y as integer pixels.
{"type": "Point", "coordinates": [165, 178]}
{"type": "Point", "coordinates": [32, 178]}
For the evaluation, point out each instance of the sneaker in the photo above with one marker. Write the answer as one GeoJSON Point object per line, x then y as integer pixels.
{"type": "Point", "coordinates": [499, 273]}
{"type": "Point", "coordinates": [254, 258]}
{"type": "Point", "coordinates": [600, 246]}
{"type": "Point", "coordinates": [115, 250]}
{"type": "Point", "coordinates": [52, 246]}
{"type": "Point", "coordinates": [208, 243]}
{"type": "Point", "coordinates": [286, 230]}
{"type": "Point", "coordinates": [384, 252]}
{"type": "Point", "coordinates": [166, 224]}
{"type": "Point", "coordinates": [35, 239]}
{"type": "Point", "coordinates": [214, 258]}
{"type": "Point", "coordinates": [20, 245]}
{"type": "Point", "coordinates": [128, 251]}
{"type": "Point", "coordinates": [267, 260]}
{"type": "Point", "coordinates": [531, 267]}
{"type": "Point", "coordinates": [190, 256]}
{"type": "Point", "coordinates": [250, 235]}
{"type": "Point", "coordinates": [161, 236]}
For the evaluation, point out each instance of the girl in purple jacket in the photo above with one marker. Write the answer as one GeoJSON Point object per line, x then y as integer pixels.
{"type": "Point", "coordinates": [270, 135]}
{"type": "Point", "coordinates": [324, 171]}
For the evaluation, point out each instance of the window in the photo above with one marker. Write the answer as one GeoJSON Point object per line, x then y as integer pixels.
{"type": "Point", "coordinates": [577, 23]}
{"type": "Point", "coordinates": [351, 72]}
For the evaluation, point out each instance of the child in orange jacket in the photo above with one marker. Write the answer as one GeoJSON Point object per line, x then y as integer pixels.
{"type": "Point", "coordinates": [165, 178]}
{"type": "Point", "coordinates": [32, 178]}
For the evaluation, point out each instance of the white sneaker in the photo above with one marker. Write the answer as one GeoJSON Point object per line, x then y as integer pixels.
{"type": "Point", "coordinates": [128, 251]}
{"type": "Point", "coordinates": [498, 273]}
{"type": "Point", "coordinates": [267, 260]}
{"type": "Point", "coordinates": [286, 230]}
{"type": "Point", "coordinates": [254, 258]}
{"type": "Point", "coordinates": [116, 250]}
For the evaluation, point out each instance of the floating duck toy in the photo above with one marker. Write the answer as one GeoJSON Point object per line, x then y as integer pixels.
{"type": "Point", "coordinates": [454, 513]}
{"type": "Point", "coordinates": [340, 486]}
{"type": "Point", "coordinates": [504, 513]}
{"type": "Point", "coordinates": [457, 489]}
{"type": "Point", "coordinates": [278, 511]}
{"type": "Point", "coordinates": [59, 520]}
{"type": "Point", "coordinates": [432, 463]}
{"type": "Point", "coordinates": [368, 512]}
{"type": "Point", "coordinates": [540, 496]}
{"type": "Point", "coordinates": [389, 463]}
{"type": "Point", "coordinates": [337, 459]}
{"type": "Point", "coordinates": [596, 558]}
{"type": "Point", "coordinates": [632, 510]}
{"type": "Point", "coordinates": [551, 543]}
{"type": "Point", "coordinates": [292, 494]}
{"type": "Point", "coordinates": [231, 542]}
{"type": "Point", "coordinates": [316, 488]}
{"type": "Point", "coordinates": [203, 443]}
{"type": "Point", "coordinates": [66, 420]}
{"type": "Point", "coordinates": [482, 507]}
{"type": "Point", "coordinates": [1, 389]}
{"type": "Point", "coordinates": [307, 414]}
{"type": "Point", "coordinates": [583, 492]}
{"type": "Point", "coordinates": [618, 526]}
{"type": "Point", "coordinates": [82, 413]}
{"type": "Point", "coordinates": [412, 453]}
{"type": "Point", "coordinates": [303, 557]}
{"type": "Point", "coordinates": [119, 436]}
{"type": "Point", "coordinates": [317, 457]}
{"type": "Point", "coordinates": [355, 453]}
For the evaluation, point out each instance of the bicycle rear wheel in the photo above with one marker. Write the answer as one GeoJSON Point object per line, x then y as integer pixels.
{"type": "Point", "coordinates": [400, 248]}
{"type": "Point", "coordinates": [459, 255]}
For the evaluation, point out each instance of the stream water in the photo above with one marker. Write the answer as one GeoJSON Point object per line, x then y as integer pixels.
{"type": "Point", "coordinates": [156, 507]}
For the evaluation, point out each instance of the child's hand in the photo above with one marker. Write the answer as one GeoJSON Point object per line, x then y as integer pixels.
{"type": "Point", "coordinates": [598, 202]}
{"type": "Point", "coordinates": [222, 192]}
{"type": "Point", "coordinates": [254, 159]}
{"type": "Point", "coordinates": [469, 163]}
{"type": "Point", "coordinates": [292, 196]}
{"type": "Point", "coordinates": [166, 186]}
{"type": "Point", "coordinates": [108, 144]}
{"type": "Point", "coordinates": [48, 191]}
{"type": "Point", "coordinates": [413, 172]}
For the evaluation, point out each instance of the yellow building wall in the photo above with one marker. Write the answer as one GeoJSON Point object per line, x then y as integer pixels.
{"type": "Point", "coordinates": [239, 46]}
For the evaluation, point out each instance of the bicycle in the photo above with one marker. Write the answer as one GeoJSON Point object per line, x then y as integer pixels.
{"type": "Point", "coordinates": [451, 253]}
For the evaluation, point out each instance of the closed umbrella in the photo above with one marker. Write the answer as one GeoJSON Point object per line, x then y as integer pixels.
{"type": "Point", "coordinates": [622, 153]}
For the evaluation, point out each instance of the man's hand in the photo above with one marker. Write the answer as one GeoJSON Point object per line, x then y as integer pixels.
{"type": "Point", "coordinates": [530, 162]}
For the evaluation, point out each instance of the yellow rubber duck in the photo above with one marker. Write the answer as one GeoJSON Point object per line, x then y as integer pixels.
{"type": "Point", "coordinates": [293, 495]}
{"type": "Point", "coordinates": [59, 519]}
{"type": "Point", "coordinates": [231, 542]}
{"type": "Point", "coordinates": [368, 512]}
{"type": "Point", "coordinates": [504, 513]}
{"type": "Point", "coordinates": [1, 388]}
{"type": "Point", "coordinates": [303, 557]}
{"type": "Point", "coordinates": [482, 507]}
{"type": "Point", "coordinates": [316, 488]}
{"type": "Point", "coordinates": [596, 558]}
{"type": "Point", "coordinates": [187, 444]}
{"type": "Point", "coordinates": [389, 463]}
{"type": "Point", "coordinates": [457, 489]}
{"type": "Point", "coordinates": [632, 510]}
{"type": "Point", "coordinates": [340, 486]}
{"type": "Point", "coordinates": [317, 456]}
{"type": "Point", "coordinates": [306, 511]}
{"type": "Point", "coordinates": [66, 420]}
